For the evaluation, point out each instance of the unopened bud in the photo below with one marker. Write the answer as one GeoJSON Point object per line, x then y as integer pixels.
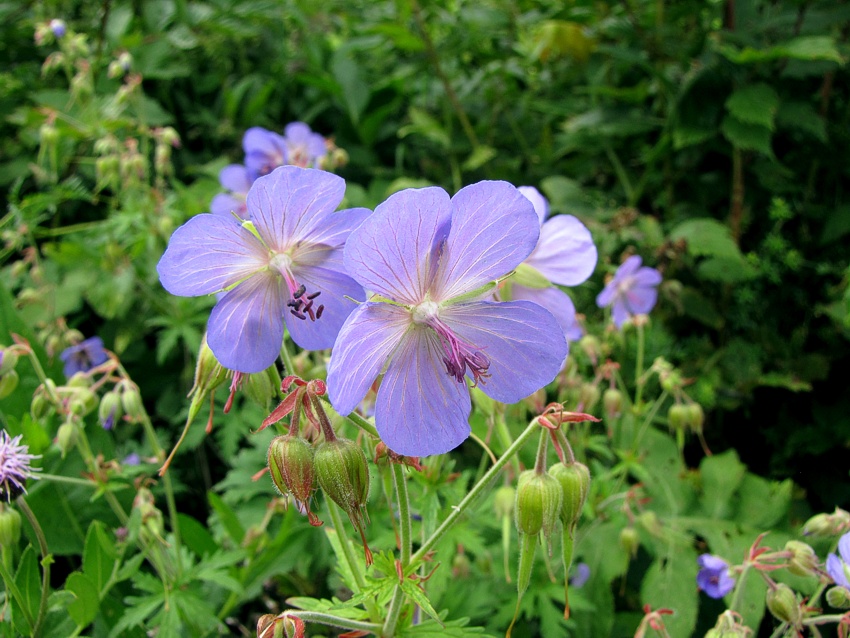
{"type": "Point", "coordinates": [461, 566]}
{"type": "Point", "coordinates": [696, 417]}
{"type": "Point", "coordinates": [8, 383]}
{"type": "Point", "coordinates": [40, 406]}
{"type": "Point", "coordinates": [48, 135]}
{"type": "Point", "coordinates": [677, 417]}
{"type": "Point", "coordinates": [82, 402]}
{"type": "Point", "coordinates": [670, 380]}
{"type": "Point", "coordinates": [838, 597]}
{"type": "Point", "coordinates": [8, 360]}
{"type": "Point", "coordinates": [503, 501]}
{"type": "Point", "coordinates": [612, 402]}
{"type": "Point", "coordinates": [262, 386]}
{"type": "Point", "coordinates": [629, 540]}
{"type": "Point", "coordinates": [591, 346]}
{"type": "Point", "coordinates": [131, 402]}
{"type": "Point", "coordinates": [574, 479]}
{"type": "Point", "coordinates": [66, 437]}
{"type": "Point", "coordinates": [292, 470]}
{"type": "Point", "coordinates": [588, 396]}
{"type": "Point", "coordinates": [10, 526]}
{"type": "Point", "coordinates": [153, 524]}
{"type": "Point", "coordinates": [782, 603]}
{"type": "Point", "coordinates": [827, 524]}
{"type": "Point", "coordinates": [79, 380]}
{"type": "Point", "coordinates": [804, 561]}
{"type": "Point", "coordinates": [109, 410]}
{"type": "Point", "coordinates": [728, 626]}
{"type": "Point", "coordinates": [538, 503]}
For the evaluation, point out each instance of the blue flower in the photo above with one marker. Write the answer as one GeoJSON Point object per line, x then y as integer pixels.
{"type": "Point", "coordinates": [432, 262]}
{"type": "Point", "coordinates": [84, 356]}
{"type": "Point", "coordinates": [264, 151]}
{"type": "Point", "coordinates": [273, 269]}
{"type": "Point", "coordinates": [565, 254]}
{"type": "Point", "coordinates": [632, 291]}
{"type": "Point", "coordinates": [839, 568]}
{"type": "Point", "coordinates": [713, 577]}
{"type": "Point", "coordinates": [58, 27]}
{"type": "Point", "coordinates": [580, 575]}
{"type": "Point", "coordinates": [303, 147]}
{"type": "Point", "coordinates": [237, 180]}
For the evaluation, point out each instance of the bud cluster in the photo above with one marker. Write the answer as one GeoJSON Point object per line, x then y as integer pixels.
{"type": "Point", "coordinates": [8, 374]}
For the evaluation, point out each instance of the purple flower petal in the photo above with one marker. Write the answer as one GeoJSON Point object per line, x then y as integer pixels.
{"type": "Point", "coordinates": [565, 253]}
{"type": "Point", "coordinates": [420, 409]}
{"type": "Point", "coordinates": [235, 178]}
{"type": "Point", "coordinates": [207, 254]}
{"type": "Point", "coordinates": [629, 267]}
{"type": "Point", "coordinates": [264, 151]}
{"type": "Point", "coordinates": [844, 547]}
{"type": "Point", "coordinates": [523, 342]}
{"type": "Point", "coordinates": [541, 205]}
{"type": "Point", "coordinates": [619, 313]}
{"type": "Point", "coordinates": [245, 329]}
{"type": "Point", "coordinates": [835, 568]}
{"type": "Point", "coordinates": [283, 203]}
{"type": "Point", "coordinates": [335, 287]}
{"type": "Point", "coordinates": [364, 344]}
{"type": "Point", "coordinates": [646, 277]}
{"type": "Point", "coordinates": [555, 301]}
{"type": "Point", "coordinates": [225, 205]}
{"type": "Point", "coordinates": [393, 251]}
{"type": "Point", "coordinates": [83, 356]}
{"type": "Point", "coordinates": [493, 228]}
{"type": "Point", "coordinates": [641, 300]}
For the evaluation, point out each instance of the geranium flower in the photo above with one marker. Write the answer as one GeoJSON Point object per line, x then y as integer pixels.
{"type": "Point", "coordinates": [565, 255]}
{"type": "Point", "coordinates": [432, 262]}
{"type": "Point", "coordinates": [273, 268]}
{"type": "Point", "coordinates": [303, 147]}
{"type": "Point", "coordinates": [713, 577]}
{"type": "Point", "coordinates": [264, 151]}
{"type": "Point", "coordinates": [15, 466]}
{"type": "Point", "coordinates": [632, 291]}
{"type": "Point", "coordinates": [839, 568]}
{"type": "Point", "coordinates": [236, 179]}
{"type": "Point", "coordinates": [84, 356]}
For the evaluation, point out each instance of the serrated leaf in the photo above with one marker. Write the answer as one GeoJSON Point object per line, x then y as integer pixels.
{"type": "Point", "coordinates": [86, 599]}
{"type": "Point", "coordinates": [746, 136]}
{"type": "Point", "coordinates": [98, 556]}
{"type": "Point", "coordinates": [763, 503]}
{"type": "Point", "coordinates": [754, 104]}
{"type": "Point", "coordinates": [670, 584]}
{"type": "Point", "coordinates": [721, 476]}
{"type": "Point", "coordinates": [341, 561]}
{"type": "Point", "coordinates": [339, 608]}
{"type": "Point", "coordinates": [138, 611]}
{"type": "Point", "coordinates": [411, 589]}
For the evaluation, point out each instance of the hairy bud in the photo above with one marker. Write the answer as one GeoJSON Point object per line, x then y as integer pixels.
{"type": "Point", "coordinates": [804, 561]}
{"type": "Point", "coordinates": [10, 526]}
{"type": "Point", "coordinates": [678, 417]}
{"type": "Point", "coordinates": [574, 479]}
{"type": "Point", "coordinates": [629, 540]}
{"type": "Point", "coordinates": [66, 437]}
{"type": "Point", "coordinates": [538, 503]}
{"type": "Point", "coordinates": [8, 383]}
{"type": "Point", "coordinates": [838, 597]}
{"type": "Point", "coordinates": [782, 603]}
{"type": "Point", "coordinates": [292, 470]}
{"type": "Point", "coordinates": [612, 402]}
{"type": "Point", "coordinates": [828, 524]}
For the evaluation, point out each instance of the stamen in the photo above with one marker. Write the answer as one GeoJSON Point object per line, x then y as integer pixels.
{"type": "Point", "coordinates": [314, 295]}
{"type": "Point", "coordinates": [300, 292]}
{"type": "Point", "coordinates": [319, 311]}
{"type": "Point", "coordinates": [301, 308]}
{"type": "Point", "coordinates": [298, 314]}
{"type": "Point", "coordinates": [461, 357]}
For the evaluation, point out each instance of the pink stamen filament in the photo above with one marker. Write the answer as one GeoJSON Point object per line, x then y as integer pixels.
{"type": "Point", "coordinates": [461, 356]}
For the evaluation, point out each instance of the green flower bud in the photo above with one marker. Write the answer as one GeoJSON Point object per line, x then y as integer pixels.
{"type": "Point", "coordinates": [82, 402]}
{"type": "Point", "coordinates": [109, 410]}
{"type": "Point", "coordinates": [461, 566]}
{"type": "Point", "coordinates": [131, 402]}
{"type": "Point", "coordinates": [40, 406]}
{"type": "Point", "coordinates": [209, 374]}
{"type": "Point", "coordinates": [728, 626]}
{"type": "Point", "coordinates": [827, 524]}
{"type": "Point", "coordinates": [48, 135]}
{"type": "Point", "coordinates": [66, 437]}
{"type": "Point", "coordinates": [79, 380]}
{"type": "Point", "coordinates": [629, 540]}
{"type": "Point", "coordinates": [804, 561]}
{"type": "Point", "coordinates": [262, 387]}
{"type": "Point", "coordinates": [838, 597]}
{"type": "Point", "coordinates": [8, 360]}
{"type": "Point", "coordinates": [612, 402]}
{"type": "Point", "coordinates": [677, 417]}
{"type": "Point", "coordinates": [591, 346]}
{"type": "Point", "coordinates": [292, 470]}
{"type": "Point", "coordinates": [588, 396]}
{"type": "Point", "coordinates": [574, 479]}
{"type": "Point", "coordinates": [696, 417]}
{"type": "Point", "coordinates": [153, 524]}
{"type": "Point", "coordinates": [538, 503]}
{"type": "Point", "coordinates": [8, 383]}
{"type": "Point", "coordinates": [503, 501]}
{"type": "Point", "coordinates": [10, 526]}
{"type": "Point", "coordinates": [782, 603]}
{"type": "Point", "coordinates": [670, 380]}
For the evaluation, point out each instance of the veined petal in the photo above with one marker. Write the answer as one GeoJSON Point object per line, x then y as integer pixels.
{"type": "Point", "coordinates": [555, 301]}
{"type": "Point", "coordinates": [835, 568]}
{"type": "Point", "coordinates": [245, 329]}
{"type": "Point", "coordinates": [566, 253]}
{"type": "Point", "coordinates": [844, 547]}
{"type": "Point", "coordinates": [235, 178]}
{"type": "Point", "coordinates": [421, 410]}
{"type": "Point", "coordinates": [493, 229]}
{"type": "Point", "coordinates": [522, 340]}
{"type": "Point", "coordinates": [541, 206]}
{"type": "Point", "coordinates": [646, 277]}
{"type": "Point", "coordinates": [365, 342]}
{"type": "Point", "coordinates": [207, 254]}
{"type": "Point", "coordinates": [335, 287]}
{"type": "Point", "coordinates": [283, 203]}
{"type": "Point", "coordinates": [641, 300]}
{"type": "Point", "coordinates": [394, 252]}
{"type": "Point", "coordinates": [606, 297]}
{"type": "Point", "coordinates": [330, 228]}
{"type": "Point", "coordinates": [628, 267]}
{"type": "Point", "coordinates": [619, 312]}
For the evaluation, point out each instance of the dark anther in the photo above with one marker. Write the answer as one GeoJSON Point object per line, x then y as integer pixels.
{"type": "Point", "coordinates": [300, 292]}
{"type": "Point", "coordinates": [298, 314]}
{"type": "Point", "coordinates": [319, 312]}
{"type": "Point", "coordinates": [314, 295]}
{"type": "Point", "coordinates": [294, 303]}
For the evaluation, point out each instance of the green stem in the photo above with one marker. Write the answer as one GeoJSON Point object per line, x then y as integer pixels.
{"type": "Point", "coordinates": [358, 420]}
{"type": "Point", "coordinates": [650, 416]}
{"type": "Point", "coordinates": [88, 457]}
{"type": "Point", "coordinates": [542, 448]}
{"type": "Point", "coordinates": [639, 365]}
{"type": "Point", "coordinates": [738, 595]}
{"type": "Point", "coordinates": [46, 560]}
{"type": "Point", "coordinates": [72, 480]}
{"type": "Point", "coordinates": [625, 182]}
{"type": "Point", "coordinates": [405, 538]}
{"type": "Point", "coordinates": [335, 621]}
{"type": "Point", "coordinates": [505, 438]}
{"type": "Point", "coordinates": [474, 493]}
{"type": "Point", "coordinates": [12, 588]}
{"type": "Point", "coordinates": [288, 363]}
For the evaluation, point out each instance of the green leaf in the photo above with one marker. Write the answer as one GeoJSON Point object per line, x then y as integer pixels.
{"type": "Point", "coordinates": [98, 556]}
{"type": "Point", "coordinates": [670, 584]}
{"type": "Point", "coordinates": [480, 156]}
{"type": "Point", "coordinates": [342, 566]}
{"type": "Point", "coordinates": [699, 307]}
{"type": "Point", "coordinates": [195, 536]}
{"type": "Point", "coordinates": [706, 238]}
{"type": "Point", "coordinates": [227, 517]}
{"type": "Point", "coordinates": [354, 89]}
{"type": "Point", "coordinates": [84, 608]}
{"type": "Point", "coordinates": [754, 104]}
{"type": "Point", "coordinates": [721, 476]}
{"type": "Point", "coordinates": [807, 48]}
{"type": "Point", "coordinates": [726, 270]}
{"type": "Point", "coordinates": [412, 590]}
{"type": "Point", "coordinates": [763, 503]}
{"type": "Point", "coordinates": [422, 123]}
{"type": "Point", "coordinates": [29, 585]}
{"type": "Point", "coordinates": [746, 136]}
{"type": "Point", "coordinates": [802, 117]}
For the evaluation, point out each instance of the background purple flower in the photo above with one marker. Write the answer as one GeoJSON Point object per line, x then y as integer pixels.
{"type": "Point", "coordinates": [580, 575]}
{"type": "Point", "coordinates": [303, 147]}
{"type": "Point", "coordinates": [632, 291]}
{"type": "Point", "coordinates": [283, 267]}
{"type": "Point", "coordinates": [713, 577]}
{"type": "Point", "coordinates": [237, 180]}
{"type": "Point", "coordinates": [264, 151]}
{"type": "Point", "coordinates": [15, 466]}
{"type": "Point", "coordinates": [84, 356]}
{"type": "Point", "coordinates": [839, 568]}
{"type": "Point", "coordinates": [58, 27]}
{"type": "Point", "coordinates": [435, 258]}
{"type": "Point", "coordinates": [565, 254]}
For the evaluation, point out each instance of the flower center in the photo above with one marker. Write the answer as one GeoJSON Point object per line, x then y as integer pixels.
{"type": "Point", "coordinates": [301, 304]}
{"type": "Point", "coordinates": [459, 356]}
